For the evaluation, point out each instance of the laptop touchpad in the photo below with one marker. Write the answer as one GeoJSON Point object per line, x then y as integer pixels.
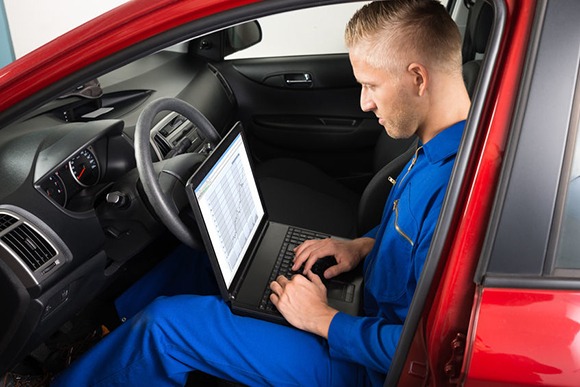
{"type": "Point", "coordinates": [341, 291]}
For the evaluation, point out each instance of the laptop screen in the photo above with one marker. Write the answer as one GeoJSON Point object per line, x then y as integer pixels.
{"type": "Point", "coordinates": [231, 208]}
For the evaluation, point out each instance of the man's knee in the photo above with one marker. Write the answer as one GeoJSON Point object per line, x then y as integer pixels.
{"type": "Point", "coordinates": [153, 314]}
{"type": "Point", "coordinates": [166, 311]}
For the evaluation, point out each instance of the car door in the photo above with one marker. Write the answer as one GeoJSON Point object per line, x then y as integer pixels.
{"type": "Point", "coordinates": [305, 108]}
{"type": "Point", "coordinates": [526, 318]}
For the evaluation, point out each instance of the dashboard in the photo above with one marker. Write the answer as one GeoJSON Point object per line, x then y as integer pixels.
{"type": "Point", "coordinates": [72, 210]}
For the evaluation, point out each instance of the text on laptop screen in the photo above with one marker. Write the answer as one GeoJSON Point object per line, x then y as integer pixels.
{"type": "Point", "coordinates": [231, 207]}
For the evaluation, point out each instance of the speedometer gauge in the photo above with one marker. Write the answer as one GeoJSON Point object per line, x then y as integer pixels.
{"type": "Point", "coordinates": [85, 168]}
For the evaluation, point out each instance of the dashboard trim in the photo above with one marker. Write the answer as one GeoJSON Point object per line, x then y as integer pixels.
{"type": "Point", "coordinates": [32, 278]}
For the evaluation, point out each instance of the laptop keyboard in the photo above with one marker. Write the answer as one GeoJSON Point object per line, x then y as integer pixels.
{"type": "Point", "coordinates": [283, 266]}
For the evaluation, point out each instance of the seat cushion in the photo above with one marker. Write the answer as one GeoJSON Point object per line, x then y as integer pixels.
{"type": "Point", "coordinates": [300, 194]}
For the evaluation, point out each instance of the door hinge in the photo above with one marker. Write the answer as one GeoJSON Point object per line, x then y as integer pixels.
{"type": "Point", "coordinates": [453, 366]}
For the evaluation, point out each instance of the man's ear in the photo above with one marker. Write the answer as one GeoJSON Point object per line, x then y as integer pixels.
{"type": "Point", "coordinates": [420, 77]}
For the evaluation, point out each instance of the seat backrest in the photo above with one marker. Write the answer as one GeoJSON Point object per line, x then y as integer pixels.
{"type": "Point", "coordinates": [372, 201]}
{"type": "Point", "coordinates": [479, 23]}
{"type": "Point", "coordinates": [387, 149]}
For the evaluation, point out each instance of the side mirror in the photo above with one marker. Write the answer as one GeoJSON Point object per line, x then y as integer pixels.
{"type": "Point", "coordinates": [216, 46]}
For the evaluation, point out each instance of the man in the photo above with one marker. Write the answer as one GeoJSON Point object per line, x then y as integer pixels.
{"type": "Point", "coordinates": [406, 54]}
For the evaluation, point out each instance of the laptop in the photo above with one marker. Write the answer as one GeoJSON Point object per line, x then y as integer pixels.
{"type": "Point", "coordinates": [243, 245]}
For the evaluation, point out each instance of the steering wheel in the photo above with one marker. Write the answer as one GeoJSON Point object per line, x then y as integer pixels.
{"type": "Point", "coordinates": [160, 179]}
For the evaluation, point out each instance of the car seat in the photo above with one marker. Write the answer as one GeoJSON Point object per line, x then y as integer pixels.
{"type": "Point", "coordinates": [301, 194]}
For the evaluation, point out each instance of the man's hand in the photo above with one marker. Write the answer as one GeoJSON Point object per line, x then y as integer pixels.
{"type": "Point", "coordinates": [302, 301]}
{"type": "Point", "coordinates": [348, 254]}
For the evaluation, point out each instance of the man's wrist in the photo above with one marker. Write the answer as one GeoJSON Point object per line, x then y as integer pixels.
{"type": "Point", "coordinates": [322, 323]}
{"type": "Point", "coordinates": [364, 245]}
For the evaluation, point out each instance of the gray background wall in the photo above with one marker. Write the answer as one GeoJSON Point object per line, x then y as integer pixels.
{"type": "Point", "coordinates": [28, 24]}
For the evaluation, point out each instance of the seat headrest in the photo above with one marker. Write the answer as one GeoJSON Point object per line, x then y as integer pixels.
{"type": "Point", "coordinates": [481, 26]}
{"type": "Point", "coordinates": [479, 23]}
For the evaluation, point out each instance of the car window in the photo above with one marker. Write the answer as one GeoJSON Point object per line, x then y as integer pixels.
{"type": "Point", "coordinates": [568, 247]}
{"type": "Point", "coordinates": [302, 32]}
{"type": "Point", "coordinates": [318, 30]}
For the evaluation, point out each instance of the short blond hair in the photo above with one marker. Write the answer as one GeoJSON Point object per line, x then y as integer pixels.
{"type": "Point", "coordinates": [395, 33]}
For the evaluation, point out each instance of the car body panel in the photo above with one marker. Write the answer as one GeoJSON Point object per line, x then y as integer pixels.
{"type": "Point", "coordinates": [532, 334]}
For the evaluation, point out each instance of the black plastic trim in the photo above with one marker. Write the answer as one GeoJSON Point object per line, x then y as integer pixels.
{"type": "Point", "coordinates": [515, 131]}
{"type": "Point", "coordinates": [38, 278]}
{"type": "Point", "coordinates": [274, 72]}
{"type": "Point", "coordinates": [532, 283]}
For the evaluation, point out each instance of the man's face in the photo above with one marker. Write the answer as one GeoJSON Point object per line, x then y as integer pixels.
{"type": "Point", "coordinates": [391, 98]}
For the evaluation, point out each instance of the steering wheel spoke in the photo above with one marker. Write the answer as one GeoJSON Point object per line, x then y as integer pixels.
{"type": "Point", "coordinates": [170, 175]}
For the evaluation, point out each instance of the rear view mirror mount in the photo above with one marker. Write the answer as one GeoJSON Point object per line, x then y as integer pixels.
{"type": "Point", "coordinates": [217, 45]}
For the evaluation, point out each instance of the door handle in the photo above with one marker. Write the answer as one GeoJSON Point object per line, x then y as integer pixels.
{"type": "Point", "coordinates": [298, 80]}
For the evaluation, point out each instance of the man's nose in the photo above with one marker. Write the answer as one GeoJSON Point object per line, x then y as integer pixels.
{"type": "Point", "coordinates": [366, 102]}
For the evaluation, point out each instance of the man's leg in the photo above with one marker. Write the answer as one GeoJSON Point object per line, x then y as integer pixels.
{"type": "Point", "coordinates": [184, 271]}
{"type": "Point", "coordinates": [175, 335]}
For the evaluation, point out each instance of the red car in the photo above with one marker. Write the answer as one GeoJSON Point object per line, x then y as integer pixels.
{"type": "Point", "coordinates": [499, 298]}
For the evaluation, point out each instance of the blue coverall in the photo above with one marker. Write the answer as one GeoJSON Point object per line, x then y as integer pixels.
{"type": "Point", "coordinates": [174, 335]}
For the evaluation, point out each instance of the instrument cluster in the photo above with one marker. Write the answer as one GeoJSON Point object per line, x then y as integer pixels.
{"type": "Point", "coordinates": [81, 171]}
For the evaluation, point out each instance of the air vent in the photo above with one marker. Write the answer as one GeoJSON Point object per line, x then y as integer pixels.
{"type": "Point", "coordinates": [162, 145]}
{"type": "Point", "coordinates": [6, 221]}
{"type": "Point", "coordinates": [29, 245]}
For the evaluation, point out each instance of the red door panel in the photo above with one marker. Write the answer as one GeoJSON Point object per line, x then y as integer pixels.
{"type": "Point", "coordinates": [526, 337]}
